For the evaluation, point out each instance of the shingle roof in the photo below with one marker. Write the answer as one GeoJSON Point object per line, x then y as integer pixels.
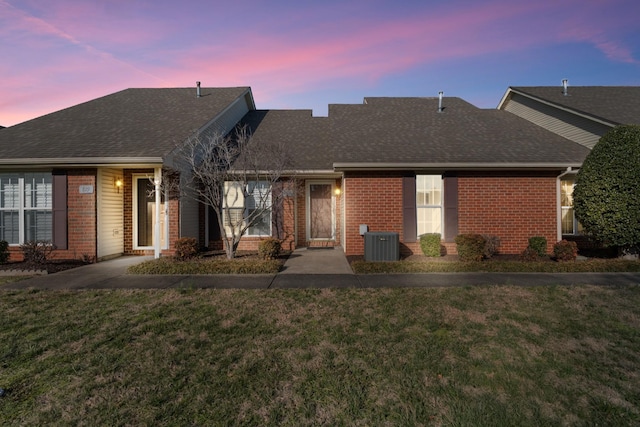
{"type": "Point", "coordinates": [613, 104]}
{"type": "Point", "coordinates": [133, 123]}
{"type": "Point", "coordinates": [306, 136]}
{"type": "Point", "coordinates": [411, 130]}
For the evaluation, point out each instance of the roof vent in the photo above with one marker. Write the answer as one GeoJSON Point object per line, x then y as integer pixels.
{"type": "Point", "coordinates": [198, 94]}
{"type": "Point", "coordinates": [565, 84]}
{"type": "Point", "coordinates": [440, 109]}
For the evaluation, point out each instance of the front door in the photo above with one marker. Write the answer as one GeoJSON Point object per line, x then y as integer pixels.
{"type": "Point", "coordinates": [320, 218]}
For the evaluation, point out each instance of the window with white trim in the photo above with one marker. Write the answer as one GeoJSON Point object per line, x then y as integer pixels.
{"type": "Point", "coordinates": [429, 204]}
{"type": "Point", "coordinates": [570, 224]}
{"type": "Point", "coordinates": [26, 202]}
{"type": "Point", "coordinates": [241, 206]}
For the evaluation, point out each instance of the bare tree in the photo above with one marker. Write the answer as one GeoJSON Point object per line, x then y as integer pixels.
{"type": "Point", "coordinates": [236, 177]}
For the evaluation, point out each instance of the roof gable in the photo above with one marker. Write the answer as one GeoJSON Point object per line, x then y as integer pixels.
{"type": "Point", "coordinates": [614, 105]}
{"type": "Point", "coordinates": [133, 123]}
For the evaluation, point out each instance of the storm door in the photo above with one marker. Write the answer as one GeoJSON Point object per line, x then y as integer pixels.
{"type": "Point", "coordinates": [145, 214]}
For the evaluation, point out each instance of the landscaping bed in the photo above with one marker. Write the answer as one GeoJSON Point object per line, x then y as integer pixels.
{"type": "Point", "coordinates": [214, 262]}
{"type": "Point", "coordinates": [496, 264]}
{"type": "Point", "coordinates": [51, 266]}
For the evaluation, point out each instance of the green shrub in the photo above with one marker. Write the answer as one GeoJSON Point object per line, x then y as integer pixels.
{"type": "Point", "coordinates": [37, 251]}
{"type": "Point", "coordinates": [538, 244]}
{"type": "Point", "coordinates": [529, 255]}
{"type": "Point", "coordinates": [491, 245]}
{"type": "Point", "coordinates": [269, 248]}
{"type": "Point", "coordinates": [186, 248]}
{"type": "Point", "coordinates": [565, 250]}
{"type": "Point", "coordinates": [470, 247]}
{"type": "Point", "coordinates": [430, 244]}
{"type": "Point", "coordinates": [606, 197]}
{"type": "Point", "coordinates": [4, 251]}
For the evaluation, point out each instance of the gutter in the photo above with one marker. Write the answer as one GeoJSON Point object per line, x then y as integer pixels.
{"type": "Point", "coordinates": [356, 166]}
{"type": "Point", "coordinates": [82, 161]}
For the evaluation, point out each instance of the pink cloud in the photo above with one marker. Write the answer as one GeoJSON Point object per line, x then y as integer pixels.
{"type": "Point", "coordinates": [78, 49]}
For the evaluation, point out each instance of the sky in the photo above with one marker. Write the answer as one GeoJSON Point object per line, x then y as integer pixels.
{"type": "Point", "coordinates": [300, 54]}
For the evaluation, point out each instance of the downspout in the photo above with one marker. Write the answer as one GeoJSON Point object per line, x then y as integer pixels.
{"type": "Point", "coordinates": [569, 171]}
{"type": "Point", "coordinates": [157, 181]}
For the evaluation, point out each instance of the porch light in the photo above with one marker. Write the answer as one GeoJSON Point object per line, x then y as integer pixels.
{"type": "Point", "coordinates": [117, 183]}
{"type": "Point", "coordinates": [337, 191]}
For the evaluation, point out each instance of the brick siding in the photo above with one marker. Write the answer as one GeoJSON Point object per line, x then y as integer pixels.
{"type": "Point", "coordinates": [374, 199]}
{"type": "Point", "coordinates": [513, 208]}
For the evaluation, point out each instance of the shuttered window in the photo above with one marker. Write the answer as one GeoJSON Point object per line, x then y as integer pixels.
{"type": "Point", "coordinates": [26, 202]}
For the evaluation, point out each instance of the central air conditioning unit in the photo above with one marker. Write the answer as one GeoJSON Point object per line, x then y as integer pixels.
{"type": "Point", "coordinates": [381, 246]}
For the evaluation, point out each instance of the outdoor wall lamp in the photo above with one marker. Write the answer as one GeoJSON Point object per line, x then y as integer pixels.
{"type": "Point", "coordinates": [117, 182]}
{"type": "Point", "coordinates": [337, 191]}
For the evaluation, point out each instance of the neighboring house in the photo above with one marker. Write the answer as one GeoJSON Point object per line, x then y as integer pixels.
{"type": "Point", "coordinates": [582, 114]}
{"type": "Point", "coordinates": [85, 177]}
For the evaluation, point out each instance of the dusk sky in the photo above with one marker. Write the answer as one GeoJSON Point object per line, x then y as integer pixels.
{"type": "Point", "coordinates": [306, 55]}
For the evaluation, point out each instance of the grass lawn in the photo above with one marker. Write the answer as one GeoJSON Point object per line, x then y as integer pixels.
{"type": "Point", "coordinates": [427, 265]}
{"type": "Point", "coordinates": [446, 356]}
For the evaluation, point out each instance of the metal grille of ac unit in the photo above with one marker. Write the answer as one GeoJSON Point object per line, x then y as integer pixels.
{"type": "Point", "coordinates": [381, 246]}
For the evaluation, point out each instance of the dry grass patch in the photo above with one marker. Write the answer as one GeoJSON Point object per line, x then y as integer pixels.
{"type": "Point", "coordinates": [446, 356]}
{"type": "Point", "coordinates": [498, 265]}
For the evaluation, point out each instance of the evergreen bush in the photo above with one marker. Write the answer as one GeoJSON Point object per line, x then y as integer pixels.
{"type": "Point", "coordinates": [470, 247]}
{"type": "Point", "coordinates": [430, 244]}
{"type": "Point", "coordinates": [538, 244]}
{"type": "Point", "coordinates": [269, 248]}
{"type": "Point", "coordinates": [606, 197]}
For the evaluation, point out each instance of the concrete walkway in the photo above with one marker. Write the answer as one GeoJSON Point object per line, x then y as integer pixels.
{"type": "Point", "coordinates": [305, 268]}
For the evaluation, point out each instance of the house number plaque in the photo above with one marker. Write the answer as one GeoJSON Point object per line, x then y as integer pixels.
{"type": "Point", "coordinates": [86, 189]}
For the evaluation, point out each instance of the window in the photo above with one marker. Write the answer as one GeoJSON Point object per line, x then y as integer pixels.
{"type": "Point", "coordinates": [569, 223]}
{"type": "Point", "coordinates": [26, 202]}
{"type": "Point", "coordinates": [254, 204]}
{"type": "Point", "coordinates": [429, 204]}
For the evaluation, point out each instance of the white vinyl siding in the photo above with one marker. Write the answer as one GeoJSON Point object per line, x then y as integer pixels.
{"type": "Point", "coordinates": [429, 204]}
{"type": "Point", "coordinates": [110, 213]}
{"type": "Point", "coordinates": [26, 202]}
{"type": "Point", "coordinates": [576, 128]}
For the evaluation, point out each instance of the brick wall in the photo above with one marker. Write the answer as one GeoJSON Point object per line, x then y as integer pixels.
{"type": "Point", "coordinates": [81, 219]}
{"type": "Point", "coordinates": [513, 208]}
{"type": "Point", "coordinates": [374, 199]}
{"type": "Point", "coordinates": [81, 213]}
